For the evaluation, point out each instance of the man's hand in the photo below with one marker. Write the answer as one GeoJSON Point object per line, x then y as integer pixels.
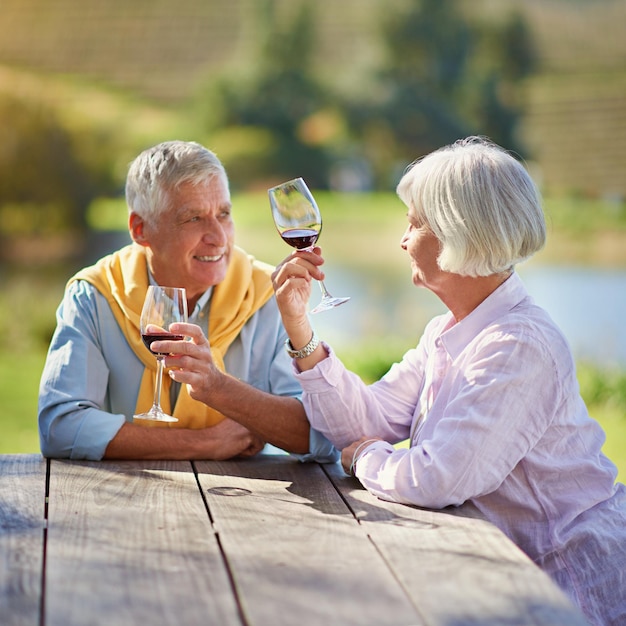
{"type": "Point", "coordinates": [192, 361]}
{"type": "Point", "coordinates": [225, 440]}
{"type": "Point", "coordinates": [229, 439]}
{"type": "Point", "coordinates": [279, 420]}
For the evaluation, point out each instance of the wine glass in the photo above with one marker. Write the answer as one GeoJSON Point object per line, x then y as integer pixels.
{"type": "Point", "coordinates": [299, 223]}
{"type": "Point", "coordinates": [163, 306]}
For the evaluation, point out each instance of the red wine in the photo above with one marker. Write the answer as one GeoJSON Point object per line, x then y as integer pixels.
{"type": "Point", "coordinates": [300, 237]}
{"type": "Point", "coordinates": [148, 338]}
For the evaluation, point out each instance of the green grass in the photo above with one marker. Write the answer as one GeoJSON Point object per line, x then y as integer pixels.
{"type": "Point", "coordinates": [604, 392]}
{"type": "Point", "coordinates": [577, 215]}
{"type": "Point", "coordinates": [19, 382]}
{"type": "Point", "coordinates": [614, 424]}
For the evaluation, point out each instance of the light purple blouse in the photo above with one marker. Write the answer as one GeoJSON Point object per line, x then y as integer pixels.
{"type": "Point", "coordinates": [492, 408]}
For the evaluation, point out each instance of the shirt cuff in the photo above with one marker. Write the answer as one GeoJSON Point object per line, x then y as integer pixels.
{"type": "Point", "coordinates": [95, 434]}
{"type": "Point", "coordinates": [327, 372]}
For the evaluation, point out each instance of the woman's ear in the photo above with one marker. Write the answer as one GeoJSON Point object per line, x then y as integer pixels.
{"type": "Point", "coordinates": [136, 225]}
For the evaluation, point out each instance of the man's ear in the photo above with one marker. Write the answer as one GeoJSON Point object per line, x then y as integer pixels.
{"type": "Point", "coordinates": [136, 225]}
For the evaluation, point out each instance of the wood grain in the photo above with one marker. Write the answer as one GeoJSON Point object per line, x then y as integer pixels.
{"type": "Point", "coordinates": [22, 525]}
{"type": "Point", "coordinates": [132, 544]}
{"type": "Point", "coordinates": [458, 569]}
{"type": "Point", "coordinates": [296, 552]}
{"type": "Point", "coordinates": [267, 541]}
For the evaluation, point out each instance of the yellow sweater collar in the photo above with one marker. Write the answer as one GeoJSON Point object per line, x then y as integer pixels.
{"type": "Point", "coordinates": [122, 278]}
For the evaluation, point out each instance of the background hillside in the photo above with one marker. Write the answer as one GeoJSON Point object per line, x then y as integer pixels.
{"type": "Point", "coordinates": [161, 51]}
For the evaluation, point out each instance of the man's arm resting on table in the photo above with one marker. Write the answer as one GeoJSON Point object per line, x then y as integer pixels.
{"type": "Point", "coordinates": [222, 441]}
{"type": "Point", "coordinates": [279, 420]}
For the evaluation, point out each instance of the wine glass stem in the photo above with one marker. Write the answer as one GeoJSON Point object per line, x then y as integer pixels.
{"type": "Point", "coordinates": [325, 293]}
{"type": "Point", "coordinates": [158, 383]}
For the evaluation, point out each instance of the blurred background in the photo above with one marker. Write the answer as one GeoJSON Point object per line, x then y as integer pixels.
{"type": "Point", "coordinates": [345, 94]}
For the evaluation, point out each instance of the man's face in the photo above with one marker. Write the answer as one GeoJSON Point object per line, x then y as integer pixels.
{"type": "Point", "coordinates": [190, 244]}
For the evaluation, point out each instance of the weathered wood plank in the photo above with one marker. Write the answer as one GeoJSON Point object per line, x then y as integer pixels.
{"type": "Point", "coordinates": [457, 569]}
{"type": "Point", "coordinates": [22, 523]}
{"type": "Point", "coordinates": [296, 553]}
{"type": "Point", "coordinates": [132, 543]}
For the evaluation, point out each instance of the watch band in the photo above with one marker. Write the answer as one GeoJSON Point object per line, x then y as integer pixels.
{"type": "Point", "coordinates": [304, 352]}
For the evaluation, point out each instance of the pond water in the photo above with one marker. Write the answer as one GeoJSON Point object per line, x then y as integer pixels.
{"type": "Point", "coordinates": [588, 304]}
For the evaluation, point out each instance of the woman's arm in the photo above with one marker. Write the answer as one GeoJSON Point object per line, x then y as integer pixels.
{"type": "Point", "coordinates": [488, 416]}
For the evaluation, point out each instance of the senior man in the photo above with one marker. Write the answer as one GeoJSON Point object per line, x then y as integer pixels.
{"type": "Point", "coordinates": [181, 225]}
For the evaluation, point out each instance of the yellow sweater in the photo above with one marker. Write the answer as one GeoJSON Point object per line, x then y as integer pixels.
{"type": "Point", "coordinates": [122, 278]}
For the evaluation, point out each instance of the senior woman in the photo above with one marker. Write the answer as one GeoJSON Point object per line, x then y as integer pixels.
{"type": "Point", "coordinates": [489, 398]}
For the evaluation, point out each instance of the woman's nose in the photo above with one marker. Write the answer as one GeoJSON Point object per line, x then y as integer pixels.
{"type": "Point", "coordinates": [404, 238]}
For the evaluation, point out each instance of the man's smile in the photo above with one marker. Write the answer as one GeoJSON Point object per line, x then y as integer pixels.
{"type": "Point", "coordinates": [209, 259]}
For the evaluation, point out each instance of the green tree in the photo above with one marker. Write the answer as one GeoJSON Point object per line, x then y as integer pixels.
{"type": "Point", "coordinates": [38, 167]}
{"type": "Point", "coordinates": [507, 54]}
{"type": "Point", "coordinates": [280, 98]}
{"type": "Point", "coordinates": [428, 49]}
{"type": "Point", "coordinates": [446, 76]}
{"type": "Point", "coordinates": [519, 53]}
{"type": "Point", "coordinates": [48, 174]}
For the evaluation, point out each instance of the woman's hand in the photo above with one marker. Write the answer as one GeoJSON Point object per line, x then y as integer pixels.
{"type": "Point", "coordinates": [292, 285]}
{"type": "Point", "coordinates": [347, 454]}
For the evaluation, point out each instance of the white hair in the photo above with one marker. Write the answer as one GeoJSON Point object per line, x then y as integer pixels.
{"type": "Point", "coordinates": [162, 168]}
{"type": "Point", "coordinates": [481, 204]}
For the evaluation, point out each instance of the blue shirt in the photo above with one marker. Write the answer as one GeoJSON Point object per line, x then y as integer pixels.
{"type": "Point", "coordinates": [91, 378]}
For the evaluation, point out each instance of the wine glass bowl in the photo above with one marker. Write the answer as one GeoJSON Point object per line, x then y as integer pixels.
{"type": "Point", "coordinates": [295, 214]}
{"type": "Point", "coordinates": [162, 307]}
{"type": "Point", "coordinates": [299, 223]}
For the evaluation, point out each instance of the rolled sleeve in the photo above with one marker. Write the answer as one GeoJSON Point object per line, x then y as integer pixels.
{"type": "Point", "coordinates": [73, 397]}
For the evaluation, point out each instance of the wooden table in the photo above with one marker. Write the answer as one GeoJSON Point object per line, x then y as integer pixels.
{"type": "Point", "coordinates": [260, 542]}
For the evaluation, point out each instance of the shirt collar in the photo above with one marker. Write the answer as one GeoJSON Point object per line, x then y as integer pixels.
{"type": "Point", "coordinates": [203, 301]}
{"type": "Point", "coordinates": [505, 298]}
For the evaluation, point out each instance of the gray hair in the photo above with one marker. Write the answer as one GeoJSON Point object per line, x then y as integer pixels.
{"type": "Point", "coordinates": [160, 169]}
{"type": "Point", "coordinates": [481, 204]}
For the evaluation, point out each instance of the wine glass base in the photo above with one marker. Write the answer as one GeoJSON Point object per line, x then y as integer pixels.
{"type": "Point", "coordinates": [155, 416]}
{"type": "Point", "coordinates": [328, 303]}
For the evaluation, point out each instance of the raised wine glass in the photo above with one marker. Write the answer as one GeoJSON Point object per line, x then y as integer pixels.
{"type": "Point", "coordinates": [299, 223]}
{"type": "Point", "coordinates": [163, 306]}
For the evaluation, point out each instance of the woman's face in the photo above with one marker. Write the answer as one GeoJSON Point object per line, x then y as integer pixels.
{"type": "Point", "coordinates": [423, 248]}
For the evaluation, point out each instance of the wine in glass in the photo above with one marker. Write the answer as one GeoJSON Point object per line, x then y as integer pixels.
{"type": "Point", "coordinates": [299, 223]}
{"type": "Point", "coordinates": [163, 306]}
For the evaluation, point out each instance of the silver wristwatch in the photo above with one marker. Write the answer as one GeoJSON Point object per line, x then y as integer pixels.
{"type": "Point", "coordinates": [304, 352]}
